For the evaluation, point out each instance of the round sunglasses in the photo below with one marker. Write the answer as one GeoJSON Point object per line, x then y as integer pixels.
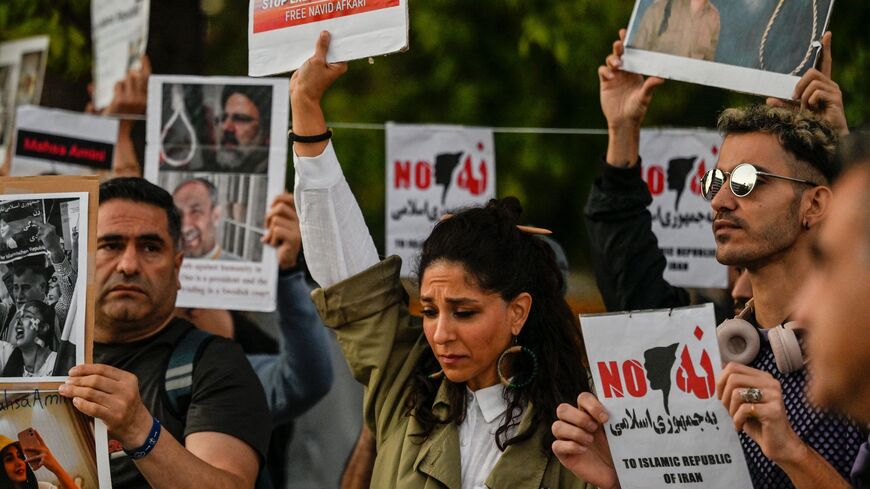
{"type": "Point", "coordinates": [743, 178]}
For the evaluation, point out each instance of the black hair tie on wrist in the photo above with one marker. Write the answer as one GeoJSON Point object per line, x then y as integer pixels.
{"type": "Point", "coordinates": [296, 138]}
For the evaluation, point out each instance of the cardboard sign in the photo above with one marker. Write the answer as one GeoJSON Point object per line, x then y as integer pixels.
{"type": "Point", "coordinates": [22, 70]}
{"type": "Point", "coordinates": [47, 241]}
{"type": "Point", "coordinates": [219, 146]}
{"type": "Point", "coordinates": [119, 29]}
{"type": "Point", "coordinates": [432, 170]}
{"type": "Point", "coordinates": [759, 47]}
{"type": "Point", "coordinates": [282, 33]}
{"type": "Point", "coordinates": [78, 443]}
{"type": "Point", "coordinates": [673, 162]}
{"type": "Point", "coordinates": [62, 142]}
{"type": "Point", "coordinates": [655, 373]}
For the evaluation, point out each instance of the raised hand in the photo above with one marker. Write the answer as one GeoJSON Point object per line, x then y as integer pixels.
{"type": "Point", "coordinates": [625, 98]}
{"type": "Point", "coordinates": [818, 92]}
{"type": "Point", "coordinates": [307, 86]}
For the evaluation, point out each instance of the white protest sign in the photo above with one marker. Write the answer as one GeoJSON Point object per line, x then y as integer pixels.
{"type": "Point", "coordinates": [752, 46]}
{"type": "Point", "coordinates": [432, 170]}
{"type": "Point", "coordinates": [219, 146]}
{"type": "Point", "coordinates": [62, 142]}
{"type": "Point", "coordinates": [282, 33]}
{"type": "Point", "coordinates": [655, 374]}
{"type": "Point", "coordinates": [674, 160]}
{"type": "Point", "coordinates": [119, 29]}
{"type": "Point", "coordinates": [22, 70]}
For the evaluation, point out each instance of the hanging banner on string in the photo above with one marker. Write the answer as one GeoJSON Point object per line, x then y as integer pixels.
{"type": "Point", "coordinates": [673, 162]}
{"type": "Point", "coordinates": [758, 47]}
{"type": "Point", "coordinates": [119, 29]}
{"type": "Point", "coordinates": [432, 170]}
{"type": "Point", "coordinates": [219, 146]}
{"type": "Point", "coordinates": [62, 142]}
{"type": "Point", "coordinates": [282, 33]}
{"type": "Point", "coordinates": [655, 373]}
{"type": "Point", "coordinates": [22, 71]}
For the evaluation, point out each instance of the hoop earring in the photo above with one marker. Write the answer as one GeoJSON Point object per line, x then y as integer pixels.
{"type": "Point", "coordinates": [517, 349]}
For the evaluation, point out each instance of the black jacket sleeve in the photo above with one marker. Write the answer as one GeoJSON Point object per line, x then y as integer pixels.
{"type": "Point", "coordinates": [629, 266]}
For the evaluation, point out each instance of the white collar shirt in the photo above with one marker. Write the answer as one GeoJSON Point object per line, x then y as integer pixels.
{"type": "Point", "coordinates": [478, 452]}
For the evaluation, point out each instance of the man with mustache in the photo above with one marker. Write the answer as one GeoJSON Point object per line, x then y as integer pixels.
{"type": "Point", "coordinates": [197, 199]}
{"type": "Point", "coordinates": [244, 129]}
{"type": "Point", "coordinates": [766, 218]}
{"type": "Point", "coordinates": [222, 438]}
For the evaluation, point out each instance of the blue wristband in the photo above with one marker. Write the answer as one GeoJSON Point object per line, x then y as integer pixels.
{"type": "Point", "coordinates": [149, 444]}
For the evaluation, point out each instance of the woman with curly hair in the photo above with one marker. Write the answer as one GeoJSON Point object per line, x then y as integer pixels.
{"type": "Point", "coordinates": [466, 396]}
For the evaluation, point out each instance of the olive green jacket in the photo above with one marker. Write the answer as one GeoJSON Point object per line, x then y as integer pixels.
{"type": "Point", "coordinates": [382, 344]}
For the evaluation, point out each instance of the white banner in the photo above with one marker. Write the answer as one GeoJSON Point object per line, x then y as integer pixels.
{"type": "Point", "coordinates": [219, 146]}
{"type": "Point", "coordinates": [22, 70]}
{"type": "Point", "coordinates": [119, 29]}
{"type": "Point", "coordinates": [674, 160]}
{"type": "Point", "coordinates": [282, 33]}
{"type": "Point", "coordinates": [62, 142]}
{"type": "Point", "coordinates": [432, 170]}
{"type": "Point", "coordinates": [655, 372]}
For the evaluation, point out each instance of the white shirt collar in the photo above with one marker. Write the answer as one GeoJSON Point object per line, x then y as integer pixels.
{"type": "Point", "coordinates": [491, 401]}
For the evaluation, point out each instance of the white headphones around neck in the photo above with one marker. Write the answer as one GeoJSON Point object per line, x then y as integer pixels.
{"type": "Point", "coordinates": [740, 341]}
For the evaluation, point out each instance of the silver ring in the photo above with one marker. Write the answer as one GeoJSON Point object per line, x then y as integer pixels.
{"type": "Point", "coordinates": [751, 395]}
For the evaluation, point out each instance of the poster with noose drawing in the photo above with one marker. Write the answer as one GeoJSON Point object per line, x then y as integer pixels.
{"type": "Point", "coordinates": [219, 146]}
{"type": "Point", "coordinates": [754, 46]}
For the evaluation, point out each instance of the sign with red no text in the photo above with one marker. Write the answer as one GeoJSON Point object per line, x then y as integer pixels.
{"type": "Point", "coordinates": [655, 373]}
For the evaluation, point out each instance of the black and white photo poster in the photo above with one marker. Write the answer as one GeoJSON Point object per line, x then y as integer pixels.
{"type": "Point", "coordinates": [219, 146]}
{"type": "Point", "coordinates": [44, 303]}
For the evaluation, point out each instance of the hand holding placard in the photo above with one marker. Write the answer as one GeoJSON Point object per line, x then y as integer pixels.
{"type": "Point", "coordinates": [817, 92]}
{"type": "Point", "coordinates": [581, 445]}
{"type": "Point", "coordinates": [625, 98]}
{"type": "Point", "coordinates": [307, 86]}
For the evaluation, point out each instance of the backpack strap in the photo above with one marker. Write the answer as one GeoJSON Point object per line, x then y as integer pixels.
{"type": "Point", "coordinates": [178, 380]}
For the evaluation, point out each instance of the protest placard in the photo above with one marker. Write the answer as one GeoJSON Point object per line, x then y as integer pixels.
{"type": "Point", "coordinates": [655, 373]}
{"type": "Point", "coordinates": [62, 142]}
{"type": "Point", "coordinates": [753, 46]}
{"type": "Point", "coordinates": [674, 160]}
{"type": "Point", "coordinates": [282, 33]}
{"type": "Point", "coordinates": [47, 236]}
{"type": "Point", "coordinates": [432, 170]}
{"type": "Point", "coordinates": [119, 30]}
{"type": "Point", "coordinates": [219, 146]}
{"type": "Point", "coordinates": [22, 70]}
{"type": "Point", "coordinates": [59, 442]}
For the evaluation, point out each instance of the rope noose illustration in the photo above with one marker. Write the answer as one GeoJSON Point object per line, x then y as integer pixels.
{"type": "Point", "coordinates": [179, 113]}
{"type": "Point", "coordinates": [772, 21]}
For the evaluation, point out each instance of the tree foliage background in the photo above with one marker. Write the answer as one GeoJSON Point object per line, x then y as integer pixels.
{"type": "Point", "coordinates": [482, 62]}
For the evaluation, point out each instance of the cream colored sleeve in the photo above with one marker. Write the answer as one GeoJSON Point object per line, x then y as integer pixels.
{"type": "Point", "coordinates": [335, 239]}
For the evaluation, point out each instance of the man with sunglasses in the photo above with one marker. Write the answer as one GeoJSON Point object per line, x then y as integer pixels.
{"type": "Point", "coordinates": [244, 129]}
{"type": "Point", "coordinates": [768, 192]}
